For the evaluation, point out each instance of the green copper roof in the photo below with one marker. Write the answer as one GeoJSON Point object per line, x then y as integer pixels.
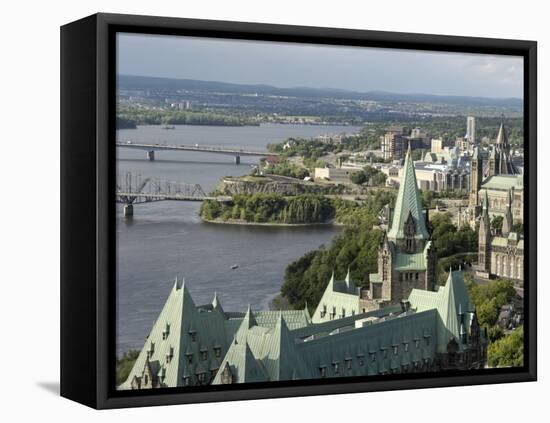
{"type": "Point", "coordinates": [181, 330]}
{"type": "Point", "coordinates": [449, 301]}
{"type": "Point", "coordinates": [340, 296]}
{"type": "Point", "coordinates": [503, 183]}
{"type": "Point", "coordinates": [405, 261]}
{"type": "Point", "coordinates": [504, 242]}
{"type": "Point", "coordinates": [197, 343]}
{"type": "Point", "coordinates": [408, 202]}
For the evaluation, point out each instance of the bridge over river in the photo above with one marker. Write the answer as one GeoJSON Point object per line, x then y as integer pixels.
{"type": "Point", "coordinates": [135, 189]}
{"type": "Point", "coordinates": [151, 148]}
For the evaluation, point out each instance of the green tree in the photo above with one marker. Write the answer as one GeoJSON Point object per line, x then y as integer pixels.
{"type": "Point", "coordinates": [358, 178]}
{"type": "Point", "coordinates": [124, 365]}
{"type": "Point", "coordinates": [507, 351]}
{"type": "Point", "coordinates": [496, 223]}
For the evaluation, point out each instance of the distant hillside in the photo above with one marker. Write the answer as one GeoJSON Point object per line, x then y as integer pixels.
{"type": "Point", "coordinates": [131, 82]}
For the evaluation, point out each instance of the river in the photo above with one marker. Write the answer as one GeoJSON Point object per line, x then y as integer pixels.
{"type": "Point", "coordinates": [167, 239]}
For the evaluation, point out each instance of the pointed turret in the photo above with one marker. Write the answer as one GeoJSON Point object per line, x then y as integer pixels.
{"type": "Point", "coordinates": [503, 164]}
{"type": "Point", "coordinates": [484, 240]}
{"type": "Point", "coordinates": [408, 203]}
{"type": "Point", "coordinates": [179, 283]}
{"type": "Point", "coordinates": [508, 217]}
{"type": "Point", "coordinates": [455, 300]}
{"type": "Point", "coordinates": [476, 176]}
{"type": "Point", "coordinates": [502, 137]}
{"type": "Point", "coordinates": [485, 224]}
{"type": "Point", "coordinates": [348, 278]}
{"type": "Point", "coordinates": [249, 319]}
{"type": "Point", "coordinates": [216, 303]}
{"type": "Point", "coordinates": [331, 282]}
{"type": "Point", "coordinates": [306, 313]}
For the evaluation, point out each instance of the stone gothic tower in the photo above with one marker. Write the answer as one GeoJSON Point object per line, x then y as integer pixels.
{"type": "Point", "coordinates": [406, 259]}
{"type": "Point", "coordinates": [507, 223]}
{"type": "Point", "coordinates": [500, 159]}
{"type": "Point", "coordinates": [484, 252]}
{"type": "Point", "coordinates": [476, 176]}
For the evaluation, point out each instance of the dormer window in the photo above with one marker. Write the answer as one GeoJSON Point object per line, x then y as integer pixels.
{"type": "Point", "coordinates": [217, 351]}
{"type": "Point", "coordinates": [170, 355]}
{"type": "Point", "coordinates": [189, 357]}
{"type": "Point", "coordinates": [186, 381]}
{"type": "Point", "coordinates": [395, 350]}
{"type": "Point", "coordinates": [193, 334]}
{"type": "Point", "coordinates": [336, 367]}
{"type": "Point", "coordinates": [166, 332]}
{"type": "Point", "coordinates": [323, 370]}
{"type": "Point", "coordinates": [204, 354]}
{"type": "Point", "coordinates": [373, 357]}
{"type": "Point", "coordinates": [348, 363]}
{"type": "Point", "coordinates": [201, 377]}
{"type": "Point", "coordinates": [409, 230]}
{"type": "Point", "coordinates": [151, 350]}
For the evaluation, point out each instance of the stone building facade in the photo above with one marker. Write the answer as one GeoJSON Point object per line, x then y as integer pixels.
{"type": "Point", "coordinates": [501, 254]}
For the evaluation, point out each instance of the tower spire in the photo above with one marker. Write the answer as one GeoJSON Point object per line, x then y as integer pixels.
{"type": "Point", "coordinates": [507, 223]}
{"type": "Point", "coordinates": [408, 203]}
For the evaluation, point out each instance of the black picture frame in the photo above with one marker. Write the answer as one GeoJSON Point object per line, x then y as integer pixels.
{"type": "Point", "coordinates": [88, 285]}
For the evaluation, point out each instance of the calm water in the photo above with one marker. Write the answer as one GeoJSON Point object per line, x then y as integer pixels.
{"type": "Point", "coordinates": [166, 239]}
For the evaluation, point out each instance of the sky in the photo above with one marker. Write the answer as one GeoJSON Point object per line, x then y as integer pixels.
{"type": "Point", "coordinates": [319, 66]}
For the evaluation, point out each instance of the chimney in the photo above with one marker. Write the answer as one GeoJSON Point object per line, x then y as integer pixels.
{"type": "Point", "coordinates": [405, 306]}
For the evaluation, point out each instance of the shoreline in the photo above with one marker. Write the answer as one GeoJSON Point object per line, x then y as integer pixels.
{"type": "Point", "coordinates": [244, 223]}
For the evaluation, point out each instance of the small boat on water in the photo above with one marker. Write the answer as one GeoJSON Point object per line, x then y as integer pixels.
{"type": "Point", "coordinates": [235, 266]}
{"type": "Point", "coordinates": [168, 127]}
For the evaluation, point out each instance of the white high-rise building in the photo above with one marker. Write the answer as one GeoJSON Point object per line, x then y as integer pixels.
{"type": "Point", "coordinates": [471, 129]}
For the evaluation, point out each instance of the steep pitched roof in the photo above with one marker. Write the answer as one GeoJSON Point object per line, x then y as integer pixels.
{"type": "Point", "coordinates": [502, 137]}
{"type": "Point", "coordinates": [449, 301]}
{"type": "Point", "coordinates": [180, 331]}
{"type": "Point", "coordinates": [408, 203]}
{"type": "Point", "coordinates": [245, 368]}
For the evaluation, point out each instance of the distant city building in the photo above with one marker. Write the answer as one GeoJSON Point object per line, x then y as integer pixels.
{"type": "Point", "coordinates": [436, 145]}
{"type": "Point", "coordinates": [184, 105]}
{"type": "Point", "coordinates": [333, 174]}
{"type": "Point", "coordinates": [441, 177]}
{"type": "Point", "coordinates": [471, 130]}
{"type": "Point", "coordinates": [463, 144]}
{"type": "Point", "coordinates": [393, 143]}
{"type": "Point", "coordinates": [331, 138]}
{"type": "Point", "coordinates": [396, 140]}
